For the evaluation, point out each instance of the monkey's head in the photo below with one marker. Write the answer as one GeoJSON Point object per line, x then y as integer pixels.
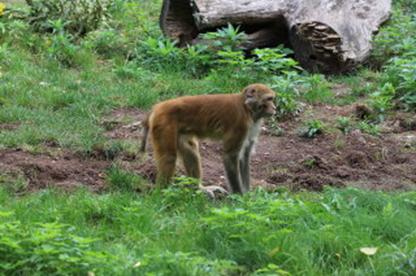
{"type": "Point", "coordinates": [260, 100]}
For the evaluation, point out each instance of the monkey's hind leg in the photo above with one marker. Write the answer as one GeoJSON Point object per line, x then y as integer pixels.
{"type": "Point", "coordinates": [189, 150]}
{"type": "Point", "coordinates": [165, 147]}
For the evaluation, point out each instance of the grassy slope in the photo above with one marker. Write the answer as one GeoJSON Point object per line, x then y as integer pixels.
{"type": "Point", "coordinates": [179, 232]}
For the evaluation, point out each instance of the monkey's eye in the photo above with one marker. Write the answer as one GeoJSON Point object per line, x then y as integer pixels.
{"type": "Point", "coordinates": [269, 99]}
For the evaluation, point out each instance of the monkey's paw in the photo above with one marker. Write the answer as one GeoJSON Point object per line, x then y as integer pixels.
{"type": "Point", "coordinates": [214, 192]}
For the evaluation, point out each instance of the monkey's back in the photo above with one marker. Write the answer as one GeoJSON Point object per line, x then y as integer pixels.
{"type": "Point", "coordinates": [202, 115]}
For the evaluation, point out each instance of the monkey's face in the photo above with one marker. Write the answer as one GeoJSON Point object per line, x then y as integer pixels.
{"type": "Point", "coordinates": [260, 99]}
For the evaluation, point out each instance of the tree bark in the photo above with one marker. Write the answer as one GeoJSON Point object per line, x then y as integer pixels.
{"type": "Point", "coordinates": [329, 36]}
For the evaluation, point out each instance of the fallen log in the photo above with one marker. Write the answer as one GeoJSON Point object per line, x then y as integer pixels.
{"type": "Point", "coordinates": [328, 36]}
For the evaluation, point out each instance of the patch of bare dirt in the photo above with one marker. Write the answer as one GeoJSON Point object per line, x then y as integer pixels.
{"type": "Point", "coordinates": [61, 169]}
{"type": "Point", "coordinates": [356, 159]}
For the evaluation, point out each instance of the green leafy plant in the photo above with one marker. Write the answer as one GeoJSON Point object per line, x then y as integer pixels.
{"type": "Point", "coordinates": [274, 128]}
{"type": "Point", "coordinates": [182, 190]}
{"type": "Point", "coordinates": [228, 38]}
{"type": "Point", "coordinates": [47, 248]}
{"type": "Point", "coordinates": [275, 60]}
{"type": "Point", "coordinates": [107, 42]}
{"type": "Point", "coordinates": [317, 89]}
{"type": "Point", "coordinates": [80, 16]}
{"type": "Point", "coordinates": [312, 128]}
{"type": "Point", "coordinates": [121, 180]}
{"type": "Point", "coordinates": [158, 53]}
{"type": "Point", "coordinates": [61, 46]}
{"type": "Point", "coordinates": [287, 88]}
{"type": "Point", "coordinates": [382, 100]}
{"type": "Point", "coordinates": [400, 78]}
{"type": "Point", "coordinates": [369, 128]}
{"type": "Point", "coordinates": [344, 124]}
{"type": "Point", "coordinates": [13, 182]}
{"type": "Point", "coordinates": [180, 263]}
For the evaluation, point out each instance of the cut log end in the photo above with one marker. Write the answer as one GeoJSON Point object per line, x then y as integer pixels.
{"type": "Point", "coordinates": [177, 22]}
{"type": "Point", "coordinates": [318, 48]}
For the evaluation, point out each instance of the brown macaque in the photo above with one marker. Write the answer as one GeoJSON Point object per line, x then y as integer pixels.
{"type": "Point", "coordinates": [235, 119]}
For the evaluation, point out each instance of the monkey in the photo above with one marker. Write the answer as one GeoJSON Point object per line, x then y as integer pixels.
{"type": "Point", "coordinates": [235, 119]}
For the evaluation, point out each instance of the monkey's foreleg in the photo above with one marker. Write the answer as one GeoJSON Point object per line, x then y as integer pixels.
{"type": "Point", "coordinates": [245, 166]}
{"type": "Point", "coordinates": [232, 170]}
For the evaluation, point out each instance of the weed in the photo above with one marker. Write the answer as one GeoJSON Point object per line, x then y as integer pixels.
{"type": "Point", "coordinates": [287, 102]}
{"type": "Point", "coordinates": [317, 90]}
{"type": "Point", "coordinates": [344, 124]}
{"type": "Point", "coordinates": [80, 16]}
{"type": "Point", "coordinates": [274, 128]}
{"type": "Point", "coordinates": [121, 180]}
{"type": "Point", "coordinates": [311, 129]}
{"type": "Point", "coordinates": [13, 182]}
{"type": "Point", "coordinates": [381, 101]}
{"type": "Point", "coordinates": [50, 248]}
{"type": "Point", "coordinates": [275, 60]}
{"type": "Point", "coordinates": [369, 128]}
{"type": "Point", "coordinates": [228, 38]}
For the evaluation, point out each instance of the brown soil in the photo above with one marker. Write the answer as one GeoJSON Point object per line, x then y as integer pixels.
{"type": "Point", "coordinates": [356, 159]}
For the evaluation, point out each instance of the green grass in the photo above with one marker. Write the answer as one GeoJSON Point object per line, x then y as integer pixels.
{"type": "Point", "coordinates": [179, 232]}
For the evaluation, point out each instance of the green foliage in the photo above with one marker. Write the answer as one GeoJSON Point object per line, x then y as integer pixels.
{"type": "Point", "coordinates": [317, 89]}
{"type": "Point", "coordinates": [287, 89]}
{"type": "Point", "coordinates": [46, 248]}
{"type": "Point", "coordinates": [344, 124]}
{"type": "Point", "coordinates": [121, 180]}
{"type": "Point", "coordinates": [369, 128]}
{"type": "Point", "coordinates": [13, 182]}
{"type": "Point", "coordinates": [220, 55]}
{"type": "Point", "coordinates": [227, 38]}
{"type": "Point", "coordinates": [107, 42]}
{"type": "Point", "coordinates": [395, 39]}
{"type": "Point", "coordinates": [79, 16]}
{"type": "Point", "coordinates": [261, 232]}
{"type": "Point", "coordinates": [275, 60]}
{"type": "Point", "coordinates": [182, 191]}
{"type": "Point", "coordinates": [180, 263]}
{"type": "Point", "coordinates": [312, 128]}
{"type": "Point", "coordinates": [61, 46]}
{"type": "Point", "coordinates": [381, 101]}
{"type": "Point", "coordinates": [125, 63]}
{"type": "Point", "coordinates": [395, 47]}
{"type": "Point", "coordinates": [400, 76]}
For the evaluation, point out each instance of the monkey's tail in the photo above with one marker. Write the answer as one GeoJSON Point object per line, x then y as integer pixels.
{"type": "Point", "coordinates": [145, 132]}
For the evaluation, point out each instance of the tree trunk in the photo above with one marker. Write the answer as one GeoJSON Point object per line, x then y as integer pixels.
{"type": "Point", "coordinates": [329, 36]}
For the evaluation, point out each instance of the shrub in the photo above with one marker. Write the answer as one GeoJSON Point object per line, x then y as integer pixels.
{"type": "Point", "coordinates": [287, 89]}
{"type": "Point", "coordinates": [344, 124]}
{"type": "Point", "coordinates": [46, 248]}
{"type": "Point", "coordinates": [311, 129]}
{"type": "Point", "coordinates": [180, 263]}
{"type": "Point", "coordinates": [227, 38]}
{"type": "Point", "coordinates": [381, 101]}
{"type": "Point", "coordinates": [368, 128]}
{"type": "Point", "coordinates": [400, 75]}
{"type": "Point", "coordinates": [80, 16]}
{"type": "Point", "coordinates": [317, 89]}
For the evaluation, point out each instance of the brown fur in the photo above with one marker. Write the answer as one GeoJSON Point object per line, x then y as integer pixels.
{"type": "Point", "coordinates": [175, 125]}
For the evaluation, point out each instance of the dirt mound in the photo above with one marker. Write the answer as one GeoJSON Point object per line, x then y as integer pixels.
{"type": "Point", "coordinates": [387, 162]}
{"type": "Point", "coordinates": [62, 169]}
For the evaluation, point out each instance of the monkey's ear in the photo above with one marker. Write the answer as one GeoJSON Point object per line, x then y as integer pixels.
{"type": "Point", "coordinates": [249, 96]}
{"type": "Point", "coordinates": [249, 92]}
